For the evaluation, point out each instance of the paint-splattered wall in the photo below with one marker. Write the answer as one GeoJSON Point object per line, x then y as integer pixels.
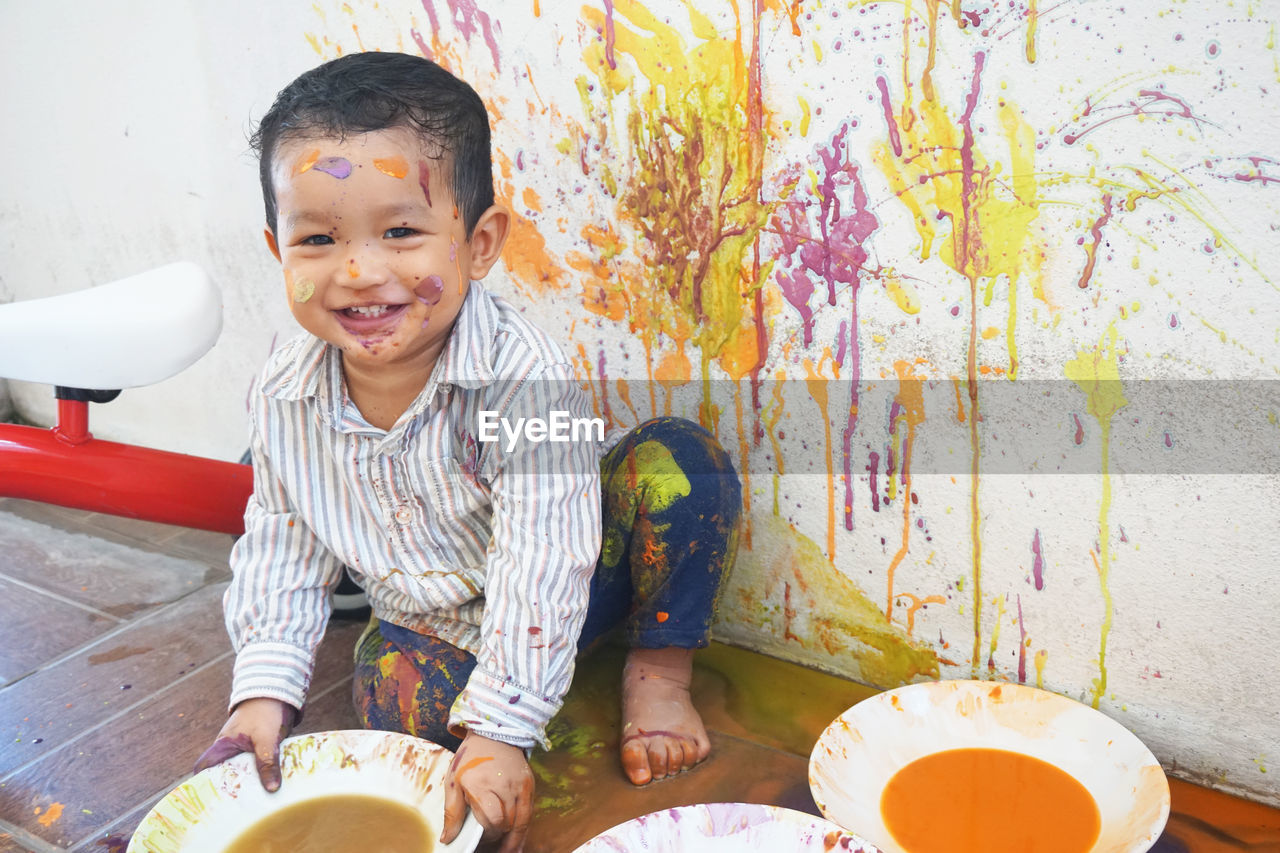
{"type": "Point", "coordinates": [984, 298]}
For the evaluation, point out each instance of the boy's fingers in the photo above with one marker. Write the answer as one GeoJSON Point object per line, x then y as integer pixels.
{"type": "Point", "coordinates": [514, 842]}
{"type": "Point", "coordinates": [455, 809]}
{"type": "Point", "coordinates": [269, 767]}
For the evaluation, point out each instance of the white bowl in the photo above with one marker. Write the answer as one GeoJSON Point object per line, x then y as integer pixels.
{"type": "Point", "coordinates": [867, 744]}
{"type": "Point", "coordinates": [207, 812]}
{"type": "Point", "coordinates": [727, 828]}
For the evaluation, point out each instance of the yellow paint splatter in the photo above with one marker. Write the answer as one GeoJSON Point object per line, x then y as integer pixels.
{"type": "Point", "coordinates": [782, 599]}
{"type": "Point", "coordinates": [690, 185]}
{"type": "Point", "coordinates": [1097, 373]}
{"type": "Point", "coordinates": [303, 289]}
{"type": "Point", "coordinates": [1041, 656]}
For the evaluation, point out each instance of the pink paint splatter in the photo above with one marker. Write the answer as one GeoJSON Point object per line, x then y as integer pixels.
{"type": "Point", "coordinates": [833, 252]}
{"type": "Point", "coordinates": [1079, 436]}
{"type": "Point", "coordinates": [424, 180]}
{"type": "Point", "coordinates": [467, 18]}
{"type": "Point", "coordinates": [1091, 250]}
{"type": "Point", "coordinates": [874, 467]}
{"type": "Point", "coordinates": [894, 139]}
{"type": "Point", "coordinates": [1037, 562]}
{"type": "Point", "coordinates": [609, 34]}
{"type": "Point", "coordinates": [1152, 102]}
{"type": "Point", "coordinates": [429, 290]}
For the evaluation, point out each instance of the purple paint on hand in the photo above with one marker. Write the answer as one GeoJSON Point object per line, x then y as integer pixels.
{"type": "Point", "coordinates": [429, 290]}
{"type": "Point", "coordinates": [222, 749]}
{"type": "Point", "coordinates": [339, 167]}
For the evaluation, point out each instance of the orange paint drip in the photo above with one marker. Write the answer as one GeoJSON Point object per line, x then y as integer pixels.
{"type": "Point", "coordinates": [53, 813]}
{"type": "Point", "coordinates": [475, 762]}
{"type": "Point", "coordinates": [457, 262]}
{"type": "Point", "coordinates": [353, 269]}
{"type": "Point", "coordinates": [396, 167]}
{"type": "Point", "coordinates": [306, 161]}
{"type": "Point", "coordinates": [911, 398]}
{"type": "Point", "coordinates": [817, 385]}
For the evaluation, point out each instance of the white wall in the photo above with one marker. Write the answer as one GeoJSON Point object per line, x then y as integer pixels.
{"type": "Point", "coordinates": [1137, 545]}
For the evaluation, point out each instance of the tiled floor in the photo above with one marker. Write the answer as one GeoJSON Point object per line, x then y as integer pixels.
{"type": "Point", "coordinates": [114, 669]}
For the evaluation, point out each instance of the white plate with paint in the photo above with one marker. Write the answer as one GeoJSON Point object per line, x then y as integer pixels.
{"type": "Point", "coordinates": [208, 812]}
{"type": "Point", "coordinates": [866, 746]}
{"type": "Point", "coordinates": [727, 828]}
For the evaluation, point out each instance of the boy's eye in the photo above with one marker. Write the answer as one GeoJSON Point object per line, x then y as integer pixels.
{"type": "Point", "coordinates": [400, 233]}
{"type": "Point", "coordinates": [316, 240]}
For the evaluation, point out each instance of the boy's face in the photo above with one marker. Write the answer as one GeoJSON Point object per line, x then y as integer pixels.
{"type": "Point", "coordinates": [376, 258]}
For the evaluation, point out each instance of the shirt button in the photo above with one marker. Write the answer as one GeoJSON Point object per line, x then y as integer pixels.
{"type": "Point", "coordinates": [404, 515]}
{"type": "Point", "coordinates": [445, 388]}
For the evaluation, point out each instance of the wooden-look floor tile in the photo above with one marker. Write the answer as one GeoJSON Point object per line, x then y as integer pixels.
{"type": "Point", "coordinates": [122, 669]}
{"type": "Point", "coordinates": [16, 842]}
{"type": "Point", "coordinates": [117, 579]}
{"type": "Point", "coordinates": [115, 768]}
{"type": "Point", "coordinates": [35, 628]}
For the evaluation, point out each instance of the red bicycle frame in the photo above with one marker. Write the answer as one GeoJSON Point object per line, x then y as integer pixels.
{"type": "Point", "coordinates": [67, 466]}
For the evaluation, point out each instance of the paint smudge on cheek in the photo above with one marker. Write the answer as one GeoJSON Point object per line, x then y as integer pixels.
{"type": "Point", "coordinates": [424, 180]}
{"type": "Point", "coordinates": [429, 290]}
{"type": "Point", "coordinates": [339, 167]}
{"type": "Point", "coordinates": [303, 289]}
{"type": "Point", "coordinates": [306, 161]}
{"type": "Point", "coordinates": [396, 167]}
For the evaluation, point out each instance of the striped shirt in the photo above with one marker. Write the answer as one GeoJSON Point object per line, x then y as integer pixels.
{"type": "Point", "coordinates": [488, 545]}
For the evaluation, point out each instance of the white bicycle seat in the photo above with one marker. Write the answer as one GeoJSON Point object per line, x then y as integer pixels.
{"type": "Point", "coordinates": [129, 333]}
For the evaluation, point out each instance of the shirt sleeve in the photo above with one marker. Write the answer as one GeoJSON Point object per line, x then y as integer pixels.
{"type": "Point", "coordinates": [546, 540]}
{"type": "Point", "coordinates": [277, 605]}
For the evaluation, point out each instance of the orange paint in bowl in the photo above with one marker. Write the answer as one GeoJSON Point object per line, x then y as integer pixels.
{"type": "Point", "coordinates": [978, 800]}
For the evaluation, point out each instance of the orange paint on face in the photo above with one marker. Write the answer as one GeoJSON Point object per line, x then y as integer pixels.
{"type": "Point", "coordinates": [353, 269]}
{"type": "Point", "coordinates": [396, 167]}
{"type": "Point", "coordinates": [1010, 802]}
{"type": "Point", "coordinates": [306, 161]}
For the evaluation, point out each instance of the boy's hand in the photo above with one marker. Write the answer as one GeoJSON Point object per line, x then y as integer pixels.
{"type": "Point", "coordinates": [494, 779]}
{"type": "Point", "coordinates": [257, 726]}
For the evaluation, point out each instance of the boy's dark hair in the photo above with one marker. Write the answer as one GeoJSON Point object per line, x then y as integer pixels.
{"type": "Point", "coordinates": [365, 92]}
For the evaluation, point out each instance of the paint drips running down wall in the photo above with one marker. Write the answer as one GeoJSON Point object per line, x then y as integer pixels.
{"type": "Point", "coordinates": [915, 265]}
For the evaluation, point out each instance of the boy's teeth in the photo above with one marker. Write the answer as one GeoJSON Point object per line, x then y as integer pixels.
{"type": "Point", "coordinates": [370, 310]}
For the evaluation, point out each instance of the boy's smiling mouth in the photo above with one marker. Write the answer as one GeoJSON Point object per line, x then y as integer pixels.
{"type": "Point", "coordinates": [367, 320]}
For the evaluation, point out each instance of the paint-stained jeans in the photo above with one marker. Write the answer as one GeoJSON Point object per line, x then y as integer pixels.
{"type": "Point", "coordinates": [671, 502]}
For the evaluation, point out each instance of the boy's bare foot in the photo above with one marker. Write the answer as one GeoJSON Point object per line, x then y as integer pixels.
{"type": "Point", "coordinates": [662, 734]}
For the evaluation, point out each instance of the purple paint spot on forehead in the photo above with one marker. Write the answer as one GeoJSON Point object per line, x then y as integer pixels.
{"type": "Point", "coordinates": [424, 180]}
{"type": "Point", "coordinates": [429, 290]}
{"type": "Point", "coordinates": [339, 167]}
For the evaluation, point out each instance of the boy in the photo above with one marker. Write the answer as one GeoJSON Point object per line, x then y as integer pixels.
{"type": "Point", "coordinates": [482, 559]}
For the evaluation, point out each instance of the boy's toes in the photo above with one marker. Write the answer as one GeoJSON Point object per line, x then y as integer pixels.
{"type": "Point", "coordinates": [635, 763]}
